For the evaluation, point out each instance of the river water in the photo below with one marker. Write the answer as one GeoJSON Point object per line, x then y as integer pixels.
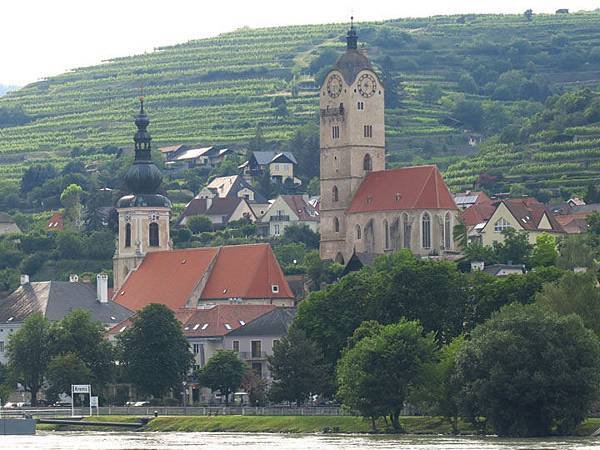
{"type": "Point", "coordinates": [259, 441]}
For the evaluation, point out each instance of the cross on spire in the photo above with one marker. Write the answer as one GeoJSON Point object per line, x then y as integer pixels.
{"type": "Point", "coordinates": [352, 37]}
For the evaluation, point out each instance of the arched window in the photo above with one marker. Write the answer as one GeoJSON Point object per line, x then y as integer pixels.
{"type": "Point", "coordinates": [447, 231]}
{"type": "Point", "coordinates": [358, 233]}
{"type": "Point", "coordinates": [406, 231]}
{"type": "Point", "coordinates": [335, 194]}
{"type": "Point", "coordinates": [128, 235]}
{"type": "Point", "coordinates": [367, 163]}
{"type": "Point", "coordinates": [426, 231]}
{"type": "Point", "coordinates": [339, 258]}
{"type": "Point", "coordinates": [501, 225]}
{"type": "Point", "coordinates": [386, 235]}
{"type": "Point", "coordinates": [336, 225]}
{"type": "Point", "coordinates": [153, 234]}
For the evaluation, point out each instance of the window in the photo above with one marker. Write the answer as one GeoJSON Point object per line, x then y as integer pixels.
{"type": "Point", "coordinates": [335, 194]}
{"type": "Point", "coordinates": [257, 367]}
{"type": "Point", "coordinates": [386, 235]}
{"type": "Point", "coordinates": [501, 225]}
{"type": "Point", "coordinates": [360, 106]}
{"type": "Point", "coordinates": [275, 342]}
{"type": "Point", "coordinates": [335, 132]}
{"type": "Point", "coordinates": [336, 225]}
{"type": "Point", "coordinates": [153, 234]}
{"type": "Point", "coordinates": [256, 349]}
{"type": "Point", "coordinates": [368, 131]}
{"type": "Point", "coordinates": [128, 235]}
{"type": "Point", "coordinates": [276, 230]}
{"type": "Point", "coordinates": [358, 233]}
{"type": "Point", "coordinates": [235, 345]}
{"type": "Point", "coordinates": [274, 288]}
{"type": "Point", "coordinates": [367, 163]}
{"type": "Point", "coordinates": [447, 231]}
{"type": "Point", "coordinates": [426, 231]}
{"type": "Point", "coordinates": [1, 346]}
{"type": "Point", "coordinates": [196, 349]}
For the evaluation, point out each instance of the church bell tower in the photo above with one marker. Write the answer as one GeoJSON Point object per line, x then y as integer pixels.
{"type": "Point", "coordinates": [352, 141]}
{"type": "Point", "coordinates": [143, 214]}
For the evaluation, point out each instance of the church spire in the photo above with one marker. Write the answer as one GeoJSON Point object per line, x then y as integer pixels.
{"type": "Point", "coordinates": [352, 37]}
{"type": "Point", "coordinates": [142, 138]}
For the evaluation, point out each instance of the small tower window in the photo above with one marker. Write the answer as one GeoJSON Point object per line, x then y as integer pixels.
{"type": "Point", "coordinates": [367, 163]}
{"type": "Point", "coordinates": [368, 131]}
{"type": "Point", "coordinates": [128, 235]}
{"type": "Point", "coordinates": [358, 233]}
{"type": "Point", "coordinates": [426, 231]}
{"type": "Point", "coordinates": [335, 132]}
{"type": "Point", "coordinates": [360, 106]}
{"type": "Point", "coordinates": [153, 234]}
{"type": "Point", "coordinates": [335, 194]}
{"type": "Point", "coordinates": [336, 225]}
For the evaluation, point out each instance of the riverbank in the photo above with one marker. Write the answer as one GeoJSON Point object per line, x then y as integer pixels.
{"type": "Point", "coordinates": [292, 424]}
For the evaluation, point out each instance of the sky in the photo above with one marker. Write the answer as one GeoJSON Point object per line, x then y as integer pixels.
{"type": "Point", "coordinates": [41, 38]}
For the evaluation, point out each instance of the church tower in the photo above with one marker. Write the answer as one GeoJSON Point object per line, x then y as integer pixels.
{"type": "Point", "coordinates": [352, 141]}
{"type": "Point", "coordinates": [143, 214]}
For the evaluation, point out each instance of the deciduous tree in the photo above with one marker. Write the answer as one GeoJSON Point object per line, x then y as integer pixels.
{"type": "Point", "coordinates": [223, 372]}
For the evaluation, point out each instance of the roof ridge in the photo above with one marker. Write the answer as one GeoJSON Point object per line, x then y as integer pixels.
{"type": "Point", "coordinates": [418, 197]}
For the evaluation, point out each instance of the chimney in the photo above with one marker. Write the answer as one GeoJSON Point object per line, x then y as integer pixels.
{"type": "Point", "coordinates": [74, 278]}
{"type": "Point", "coordinates": [24, 279]}
{"type": "Point", "coordinates": [102, 287]}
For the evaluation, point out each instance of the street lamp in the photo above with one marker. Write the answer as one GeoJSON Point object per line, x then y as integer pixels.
{"type": "Point", "coordinates": [184, 383]}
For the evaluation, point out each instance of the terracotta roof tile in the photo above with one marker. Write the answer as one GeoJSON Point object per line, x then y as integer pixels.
{"type": "Point", "coordinates": [222, 319]}
{"type": "Point", "coordinates": [301, 208]}
{"type": "Point", "coordinates": [529, 212]}
{"type": "Point", "coordinates": [477, 213]}
{"type": "Point", "coordinates": [419, 187]}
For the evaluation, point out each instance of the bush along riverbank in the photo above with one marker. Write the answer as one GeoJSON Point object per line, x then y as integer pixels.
{"type": "Point", "coordinates": [290, 424]}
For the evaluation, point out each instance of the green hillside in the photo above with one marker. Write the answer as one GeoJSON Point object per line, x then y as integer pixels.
{"type": "Point", "coordinates": [218, 90]}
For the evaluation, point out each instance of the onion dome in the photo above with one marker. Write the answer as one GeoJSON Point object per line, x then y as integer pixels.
{"type": "Point", "coordinates": [143, 178]}
{"type": "Point", "coordinates": [352, 61]}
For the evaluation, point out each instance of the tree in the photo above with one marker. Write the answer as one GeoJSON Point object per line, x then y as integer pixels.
{"type": "Point", "coordinates": [297, 368]}
{"type": "Point", "coordinates": [36, 176]}
{"type": "Point", "coordinates": [574, 251]}
{"type": "Point", "coordinates": [544, 251]}
{"type": "Point", "coordinates": [6, 383]}
{"type": "Point", "coordinates": [302, 233]}
{"type": "Point", "coordinates": [71, 200]}
{"type": "Point", "coordinates": [574, 293]}
{"type": "Point", "coordinates": [528, 371]}
{"type": "Point", "coordinates": [430, 93]}
{"type": "Point", "coordinates": [69, 245]}
{"type": "Point", "coordinates": [199, 224]}
{"type": "Point", "coordinates": [155, 344]}
{"type": "Point", "coordinates": [460, 235]}
{"type": "Point", "coordinates": [28, 354]}
{"type": "Point", "coordinates": [515, 248]}
{"type": "Point", "coordinates": [320, 272]}
{"type": "Point", "coordinates": [63, 371]}
{"type": "Point", "coordinates": [255, 386]}
{"type": "Point", "coordinates": [528, 14]}
{"type": "Point", "coordinates": [374, 376]}
{"type": "Point", "coordinates": [100, 245]}
{"type": "Point", "coordinates": [223, 372]}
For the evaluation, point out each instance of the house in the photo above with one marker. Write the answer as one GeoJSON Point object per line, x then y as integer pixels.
{"type": "Point", "coordinates": [465, 199]}
{"type": "Point", "coordinates": [280, 165]}
{"type": "Point", "coordinates": [196, 277]}
{"type": "Point", "coordinates": [501, 270]}
{"type": "Point", "coordinates": [7, 224]}
{"type": "Point", "coordinates": [573, 215]}
{"type": "Point", "coordinates": [475, 217]}
{"type": "Point", "coordinates": [55, 223]}
{"type": "Point", "coordinates": [181, 155]}
{"type": "Point", "coordinates": [236, 186]}
{"type": "Point", "coordinates": [220, 211]}
{"type": "Point", "coordinates": [287, 210]}
{"type": "Point", "coordinates": [54, 300]}
{"type": "Point", "coordinates": [523, 214]}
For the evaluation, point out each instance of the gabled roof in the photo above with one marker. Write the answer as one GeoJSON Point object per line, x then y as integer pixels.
{"type": "Point", "coordinates": [55, 299]}
{"type": "Point", "coordinates": [176, 278]}
{"type": "Point", "coordinates": [56, 222]}
{"type": "Point", "coordinates": [171, 148]}
{"type": "Point", "coordinates": [192, 153]}
{"type": "Point", "coordinates": [266, 157]}
{"type": "Point", "coordinates": [5, 218]}
{"type": "Point", "coordinates": [214, 207]}
{"type": "Point", "coordinates": [529, 212]}
{"type": "Point", "coordinates": [495, 269]}
{"type": "Point", "coordinates": [477, 213]}
{"type": "Point", "coordinates": [301, 208]}
{"type": "Point", "coordinates": [418, 187]}
{"type": "Point", "coordinates": [230, 186]}
{"type": "Point", "coordinates": [274, 323]}
{"type": "Point", "coordinates": [224, 319]}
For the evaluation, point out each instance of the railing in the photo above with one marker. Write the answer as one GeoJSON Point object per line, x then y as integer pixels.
{"type": "Point", "coordinates": [225, 411]}
{"type": "Point", "coordinates": [252, 355]}
{"type": "Point", "coordinates": [279, 218]}
{"type": "Point", "coordinates": [333, 112]}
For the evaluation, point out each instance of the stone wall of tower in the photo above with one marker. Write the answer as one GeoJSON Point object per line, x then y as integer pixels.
{"type": "Point", "coordinates": [343, 151]}
{"type": "Point", "coordinates": [128, 257]}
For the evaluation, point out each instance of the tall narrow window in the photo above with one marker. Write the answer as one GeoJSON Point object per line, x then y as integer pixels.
{"type": "Point", "coordinates": [336, 225]}
{"type": "Point", "coordinates": [426, 231]}
{"type": "Point", "coordinates": [367, 163]}
{"type": "Point", "coordinates": [256, 349]}
{"type": "Point", "coordinates": [128, 235]}
{"type": "Point", "coordinates": [368, 131]}
{"type": "Point", "coordinates": [153, 234]}
{"type": "Point", "coordinates": [406, 231]}
{"type": "Point", "coordinates": [360, 106]}
{"type": "Point", "coordinates": [447, 231]}
{"type": "Point", "coordinates": [335, 194]}
{"type": "Point", "coordinates": [386, 235]}
{"type": "Point", "coordinates": [235, 345]}
{"type": "Point", "coordinates": [358, 233]}
{"type": "Point", "coordinates": [335, 132]}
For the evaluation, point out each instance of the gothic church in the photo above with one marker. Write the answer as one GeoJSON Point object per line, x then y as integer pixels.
{"type": "Point", "coordinates": [366, 209]}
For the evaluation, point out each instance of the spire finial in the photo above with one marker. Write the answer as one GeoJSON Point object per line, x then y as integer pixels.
{"type": "Point", "coordinates": [141, 97]}
{"type": "Point", "coordinates": [352, 37]}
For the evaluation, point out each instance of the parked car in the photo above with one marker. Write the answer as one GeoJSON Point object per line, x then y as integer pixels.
{"type": "Point", "coordinates": [142, 404]}
{"type": "Point", "coordinates": [61, 404]}
{"type": "Point", "coordinates": [10, 405]}
{"type": "Point", "coordinates": [23, 404]}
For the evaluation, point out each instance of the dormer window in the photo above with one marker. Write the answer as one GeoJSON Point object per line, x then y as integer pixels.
{"type": "Point", "coordinates": [275, 288]}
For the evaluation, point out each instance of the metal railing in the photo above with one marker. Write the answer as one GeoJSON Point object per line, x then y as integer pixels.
{"type": "Point", "coordinates": [247, 356]}
{"type": "Point", "coordinates": [279, 218]}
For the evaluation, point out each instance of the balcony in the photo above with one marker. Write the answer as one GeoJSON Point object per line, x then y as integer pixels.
{"type": "Point", "coordinates": [252, 356]}
{"type": "Point", "coordinates": [279, 218]}
{"type": "Point", "coordinates": [333, 112]}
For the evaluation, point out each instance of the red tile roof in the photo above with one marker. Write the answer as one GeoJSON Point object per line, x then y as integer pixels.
{"type": "Point", "coordinates": [171, 277]}
{"type": "Point", "coordinates": [221, 319]}
{"type": "Point", "coordinates": [477, 213]}
{"type": "Point", "coordinates": [529, 212]}
{"type": "Point", "coordinates": [419, 187]}
{"type": "Point", "coordinates": [301, 207]}
{"type": "Point", "coordinates": [56, 222]}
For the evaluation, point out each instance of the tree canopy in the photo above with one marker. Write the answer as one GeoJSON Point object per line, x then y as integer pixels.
{"type": "Point", "coordinates": [223, 372]}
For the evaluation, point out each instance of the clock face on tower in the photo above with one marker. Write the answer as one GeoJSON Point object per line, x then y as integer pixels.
{"type": "Point", "coordinates": [334, 86]}
{"type": "Point", "coordinates": [367, 85]}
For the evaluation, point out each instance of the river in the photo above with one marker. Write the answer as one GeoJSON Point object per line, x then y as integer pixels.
{"type": "Point", "coordinates": [259, 441]}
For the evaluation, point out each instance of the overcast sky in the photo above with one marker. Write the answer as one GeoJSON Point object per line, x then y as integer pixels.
{"type": "Point", "coordinates": [39, 38]}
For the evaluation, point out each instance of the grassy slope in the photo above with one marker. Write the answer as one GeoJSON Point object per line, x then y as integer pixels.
{"type": "Point", "coordinates": [218, 90]}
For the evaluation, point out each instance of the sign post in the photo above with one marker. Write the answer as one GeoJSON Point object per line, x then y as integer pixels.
{"type": "Point", "coordinates": [80, 389]}
{"type": "Point", "coordinates": [94, 402]}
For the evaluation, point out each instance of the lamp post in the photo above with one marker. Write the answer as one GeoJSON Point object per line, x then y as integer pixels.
{"type": "Point", "coordinates": [184, 383]}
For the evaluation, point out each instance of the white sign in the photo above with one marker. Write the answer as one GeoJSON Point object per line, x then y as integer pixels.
{"type": "Point", "coordinates": [94, 401]}
{"type": "Point", "coordinates": [81, 388]}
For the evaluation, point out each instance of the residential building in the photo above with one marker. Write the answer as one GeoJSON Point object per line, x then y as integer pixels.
{"type": "Point", "coordinates": [280, 166]}
{"type": "Point", "coordinates": [475, 217]}
{"type": "Point", "coordinates": [183, 156]}
{"type": "Point", "coordinates": [7, 224]}
{"type": "Point", "coordinates": [465, 199]}
{"type": "Point", "coordinates": [55, 223]}
{"type": "Point", "coordinates": [54, 300]}
{"type": "Point", "coordinates": [220, 211]}
{"type": "Point", "coordinates": [365, 208]}
{"type": "Point", "coordinates": [290, 210]}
